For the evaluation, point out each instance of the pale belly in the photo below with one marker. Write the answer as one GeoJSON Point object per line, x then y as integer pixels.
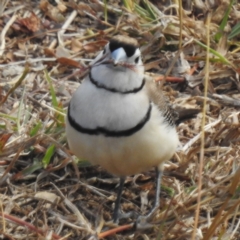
{"type": "Point", "coordinates": [151, 146]}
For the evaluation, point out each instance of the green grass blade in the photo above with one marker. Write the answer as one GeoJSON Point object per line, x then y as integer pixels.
{"type": "Point", "coordinates": [217, 54]}
{"type": "Point", "coordinates": [17, 84]}
{"type": "Point", "coordinates": [34, 167]}
{"type": "Point", "coordinates": [52, 91]}
{"type": "Point", "coordinates": [20, 108]}
{"type": "Point", "coordinates": [142, 13]}
{"type": "Point", "coordinates": [224, 22]}
{"type": "Point", "coordinates": [149, 9]}
{"type": "Point", "coordinates": [8, 117]}
{"type": "Point", "coordinates": [84, 163]}
{"type": "Point", "coordinates": [48, 155]}
{"type": "Point", "coordinates": [235, 31]}
{"type": "Point", "coordinates": [35, 129]}
{"type": "Point", "coordinates": [57, 105]}
{"type": "Point", "coordinates": [28, 170]}
{"type": "Point", "coordinates": [128, 4]}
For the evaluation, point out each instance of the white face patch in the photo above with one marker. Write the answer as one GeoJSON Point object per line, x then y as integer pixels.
{"type": "Point", "coordinates": [136, 58]}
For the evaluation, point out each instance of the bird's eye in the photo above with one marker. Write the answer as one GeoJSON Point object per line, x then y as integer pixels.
{"type": "Point", "coordinates": [104, 50]}
{"type": "Point", "coordinates": [136, 60]}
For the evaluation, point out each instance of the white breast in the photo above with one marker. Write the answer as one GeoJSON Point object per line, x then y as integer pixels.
{"type": "Point", "coordinates": [92, 107]}
{"type": "Point", "coordinates": [155, 143]}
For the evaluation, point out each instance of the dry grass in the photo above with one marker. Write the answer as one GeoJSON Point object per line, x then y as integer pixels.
{"type": "Point", "coordinates": [45, 193]}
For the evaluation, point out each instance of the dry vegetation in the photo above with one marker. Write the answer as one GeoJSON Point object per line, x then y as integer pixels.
{"type": "Point", "coordinates": [45, 46]}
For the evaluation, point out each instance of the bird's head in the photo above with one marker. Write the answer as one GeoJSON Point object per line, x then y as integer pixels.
{"type": "Point", "coordinates": [121, 53]}
{"type": "Point", "coordinates": [119, 66]}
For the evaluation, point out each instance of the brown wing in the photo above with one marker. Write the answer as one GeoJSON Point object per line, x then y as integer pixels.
{"type": "Point", "coordinates": [158, 98]}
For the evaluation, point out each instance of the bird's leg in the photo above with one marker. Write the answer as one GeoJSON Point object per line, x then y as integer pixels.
{"type": "Point", "coordinates": [143, 222]}
{"type": "Point", "coordinates": [158, 189]}
{"type": "Point", "coordinates": [118, 200]}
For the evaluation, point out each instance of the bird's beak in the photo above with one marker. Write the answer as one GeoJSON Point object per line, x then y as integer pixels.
{"type": "Point", "coordinates": [118, 55]}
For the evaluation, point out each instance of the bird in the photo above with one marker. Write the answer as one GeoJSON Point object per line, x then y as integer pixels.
{"type": "Point", "coordinates": [119, 119]}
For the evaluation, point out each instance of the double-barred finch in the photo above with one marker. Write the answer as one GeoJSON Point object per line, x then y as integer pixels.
{"type": "Point", "coordinates": [118, 118]}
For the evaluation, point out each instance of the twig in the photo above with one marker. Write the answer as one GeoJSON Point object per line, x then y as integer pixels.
{"type": "Point", "coordinates": [28, 225]}
{"type": "Point", "coordinates": [4, 31]}
{"type": "Point", "coordinates": [115, 230]}
{"type": "Point", "coordinates": [65, 26]}
{"type": "Point", "coordinates": [201, 158]}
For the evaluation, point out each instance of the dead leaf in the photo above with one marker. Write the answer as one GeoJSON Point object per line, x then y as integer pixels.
{"type": "Point", "coordinates": [62, 7]}
{"type": "Point", "coordinates": [69, 62]}
{"type": "Point", "coordinates": [62, 52]}
{"type": "Point", "coordinates": [76, 45]}
{"type": "Point", "coordinates": [32, 23]}
{"type": "Point", "coordinates": [94, 46]}
{"type": "Point", "coordinates": [3, 139]}
{"type": "Point", "coordinates": [48, 196]}
{"type": "Point", "coordinates": [51, 11]}
{"type": "Point", "coordinates": [49, 52]}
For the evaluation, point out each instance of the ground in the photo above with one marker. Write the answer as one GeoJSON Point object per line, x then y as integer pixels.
{"type": "Point", "coordinates": [45, 48]}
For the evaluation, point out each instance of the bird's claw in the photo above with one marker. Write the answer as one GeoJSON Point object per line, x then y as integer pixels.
{"type": "Point", "coordinates": [142, 223]}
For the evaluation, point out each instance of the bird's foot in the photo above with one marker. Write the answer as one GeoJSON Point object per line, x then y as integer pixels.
{"type": "Point", "coordinates": [144, 222]}
{"type": "Point", "coordinates": [131, 214]}
{"type": "Point", "coordinates": [121, 215]}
